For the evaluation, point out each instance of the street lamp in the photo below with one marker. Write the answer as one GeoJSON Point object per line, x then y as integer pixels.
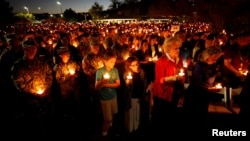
{"type": "Point", "coordinates": [59, 3]}
{"type": "Point", "coordinates": [85, 15]}
{"type": "Point", "coordinates": [26, 8]}
{"type": "Point", "coordinates": [39, 9]}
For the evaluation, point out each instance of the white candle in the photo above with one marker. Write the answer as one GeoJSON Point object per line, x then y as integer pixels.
{"type": "Point", "coordinates": [218, 86]}
{"type": "Point", "coordinates": [150, 59]}
{"type": "Point", "coordinates": [155, 58]}
{"type": "Point", "coordinates": [40, 91]}
{"type": "Point", "coordinates": [129, 76]}
{"type": "Point", "coordinates": [106, 76]}
{"type": "Point", "coordinates": [185, 64]}
{"type": "Point", "coordinates": [246, 72]}
{"type": "Point", "coordinates": [71, 71]}
{"type": "Point", "coordinates": [181, 73]}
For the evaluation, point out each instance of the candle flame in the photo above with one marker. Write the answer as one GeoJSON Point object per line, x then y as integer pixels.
{"type": "Point", "coordinates": [129, 76]}
{"type": "Point", "coordinates": [40, 91]}
{"type": "Point", "coordinates": [185, 65]}
{"type": "Point", "coordinates": [50, 42]}
{"type": "Point", "coordinates": [71, 71]}
{"type": "Point", "coordinates": [181, 73]}
{"type": "Point", "coordinates": [218, 86]}
{"type": "Point", "coordinates": [246, 72]}
{"type": "Point", "coordinates": [106, 76]}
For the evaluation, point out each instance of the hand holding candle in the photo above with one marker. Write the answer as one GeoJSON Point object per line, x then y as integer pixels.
{"type": "Point", "coordinates": [150, 59]}
{"type": "Point", "coordinates": [185, 65]}
{"type": "Point", "coordinates": [218, 86]}
{"type": "Point", "coordinates": [71, 71]}
{"type": "Point", "coordinates": [39, 91]}
{"type": "Point", "coordinates": [181, 73]}
{"type": "Point", "coordinates": [38, 87]}
{"type": "Point", "coordinates": [129, 76]}
{"type": "Point", "coordinates": [245, 72]}
{"type": "Point", "coordinates": [106, 76]}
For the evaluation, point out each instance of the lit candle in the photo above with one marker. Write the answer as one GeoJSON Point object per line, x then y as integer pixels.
{"type": "Point", "coordinates": [71, 71]}
{"type": "Point", "coordinates": [75, 43]}
{"type": "Point", "coordinates": [240, 69]}
{"type": "Point", "coordinates": [106, 76]}
{"type": "Point", "coordinates": [181, 73]}
{"type": "Point", "coordinates": [185, 64]}
{"type": "Point", "coordinates": [160, 49]}
{"type": "Point", "coordinates": [50, 42]}
{"type": "Point", "coordinates": [218, 86]}
{"type": "Point", "coordinates": [129, 76]}
{"type": "Point", "coordinates": [39, 90]}
{"type": "Point", "coordinates": [150, 59]}
{"type": "Point", "coordinates": [155, 58]}
{"type": "Point", "coordinates": [125, 56]}
{"type": "Point", "coordinates": [246, 72]}
{"type": "Point", "coordinates": [220, 43]}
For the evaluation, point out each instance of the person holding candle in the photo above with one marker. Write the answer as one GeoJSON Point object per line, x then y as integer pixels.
{"type": "Point", "coordinates": [167, 87]}
{"type": "Point", "coordinates": [91, 62]}
{"type": "Point", "coordinates": [33, 79]}
{"type": "Point", "coordinates": [64, 40]}
{"type": "Point", "coordinates": [236, 59]}
{"type": "Point", "coordinates": [153, 46]}
{"type": "Point", "coordinates": [107, 81]}
{"type": "Point", "coordinates": [199, 92]}
{"type": "Point", "coordinates": [67, 74]}
{"type": "Point", "coordinates": [135, 95]}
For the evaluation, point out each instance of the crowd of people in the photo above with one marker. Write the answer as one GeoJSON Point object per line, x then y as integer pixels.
{"type": "Point", "coordinates": [122, 78]}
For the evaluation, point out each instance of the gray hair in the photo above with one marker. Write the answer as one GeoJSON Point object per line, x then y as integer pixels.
{"type": "Point", "coordinates": [170, 43]}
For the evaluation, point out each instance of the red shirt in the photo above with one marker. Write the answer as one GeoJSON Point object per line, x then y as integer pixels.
{"type": "Point", "coordinates": [165, 67]}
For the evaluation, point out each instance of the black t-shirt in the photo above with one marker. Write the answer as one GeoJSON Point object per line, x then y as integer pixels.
{"type": "Point", "coordinates": [137, 86]}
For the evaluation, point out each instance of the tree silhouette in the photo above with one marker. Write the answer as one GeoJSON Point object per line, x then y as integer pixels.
{"type": "Point", "coordinates": [96, 11]}
{"type": "Point", "coordinates": [71, 16]}
{"type": "Point", "coordinates": [115, 4]}
{"type": "Point", "coordinates": [6, 14]}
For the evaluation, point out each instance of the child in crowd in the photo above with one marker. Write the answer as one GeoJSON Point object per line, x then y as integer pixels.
{"type": "Point", "coordinates": [135, 93]}
{"type": "Point", "coordinates": [67, 73]}
{"type": "Point", "coordinates": [107, 80]}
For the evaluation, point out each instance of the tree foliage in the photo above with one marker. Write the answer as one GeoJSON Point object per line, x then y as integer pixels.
{"type": "Point", "coordinates": [70, 15]}
{"type": "Point", "coordinates": [221, 14]}
{"type": "Point", "coordinates": [115, 4]}
{"type": "Point", "coordinates": [96, 11]}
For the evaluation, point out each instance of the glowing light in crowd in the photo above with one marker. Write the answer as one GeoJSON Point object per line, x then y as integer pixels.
{"type": "Point", "coordinates": [129, 76]}
{"type": "Point", "coordinates": [218, 86]}
{"type": "Point", "coordinates": [181, 73]}
{"type": "Point", "coordinates": [106, 76]}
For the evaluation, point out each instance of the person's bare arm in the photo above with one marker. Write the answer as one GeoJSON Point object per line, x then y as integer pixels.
{"type": "Point", "coordinates": [112, 85]}
{"type": "Point", "coordinates": [227, 63]}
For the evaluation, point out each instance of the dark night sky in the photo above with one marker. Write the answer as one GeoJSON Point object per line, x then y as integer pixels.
{"type": "Point", "coordinates": [51, 6]}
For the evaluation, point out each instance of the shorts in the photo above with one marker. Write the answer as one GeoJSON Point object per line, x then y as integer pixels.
{"type": "Point", "coordinates": [109, 108]}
